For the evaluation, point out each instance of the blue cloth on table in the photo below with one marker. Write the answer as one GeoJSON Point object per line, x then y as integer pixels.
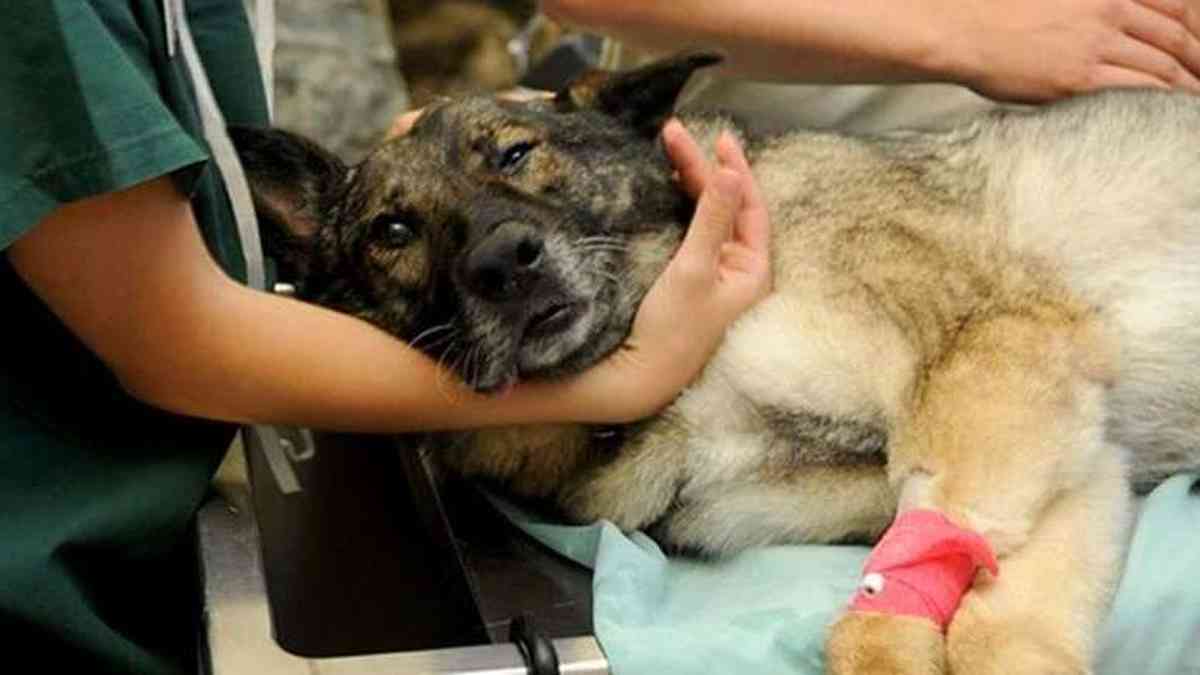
{"type": "Point", "coordinates": [766, 610]}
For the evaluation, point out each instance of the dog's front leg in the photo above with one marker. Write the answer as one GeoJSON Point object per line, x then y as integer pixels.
{"type": "Point", "coordinates": [638, 483]}
{"type": "Point", "coordinates": [1001, 454]}
{"type": "Point", "coordinates": [1043, 613]}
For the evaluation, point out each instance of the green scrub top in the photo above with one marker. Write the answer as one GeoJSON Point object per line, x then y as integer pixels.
{"type": "Point", "coordinates": [97, 490]}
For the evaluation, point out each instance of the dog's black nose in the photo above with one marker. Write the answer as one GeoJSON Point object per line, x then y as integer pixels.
{"type": "Point", "coordinates": [506, 263]}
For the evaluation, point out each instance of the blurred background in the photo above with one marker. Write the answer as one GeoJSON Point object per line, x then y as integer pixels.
{"type": "Point", "coordinates": [345, 68]}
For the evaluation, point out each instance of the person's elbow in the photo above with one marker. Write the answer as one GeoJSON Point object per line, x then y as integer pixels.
{"type": "Point", "coordinates": [152, 388]}
{"type": "Point", "coordinates": [182, 358]}
{"type": "Point", "coordinates": [142, 293]}
{"type": "Point", "coordinates": [164, 386]}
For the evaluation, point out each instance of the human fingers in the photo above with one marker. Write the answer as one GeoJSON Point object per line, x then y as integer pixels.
{"type": "Point", "coordinates": [1171, 35]}
{"type": "Point", "coordinates": [711, 226]}
{"type": "Point", "coordinates": [752, 226]}
{"type": "Point", "coordinates": [404, 123]}
{"type": "Point", "coordinates": [1112, 76]}
{"type": "Point", "coordinates": [524, 94]}
{"type": "Point", "coordinates": [687, 158]}
{"type": "Point", "coordinates": [1161, 69]}
{"type": "Point", "coordinates": [1185, 12]}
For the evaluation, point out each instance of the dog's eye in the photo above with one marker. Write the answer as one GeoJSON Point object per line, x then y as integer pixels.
{"type": "Point", "coordinates": [510, 157]}
{"type": "Point", "coordinates": [395, 233]}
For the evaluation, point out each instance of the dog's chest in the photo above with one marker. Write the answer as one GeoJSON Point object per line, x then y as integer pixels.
{"type": "Point", "coordinates": [768, 406]}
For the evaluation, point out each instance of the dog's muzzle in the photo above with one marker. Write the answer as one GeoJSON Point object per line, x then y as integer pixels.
{"type": "Point", "coordinates": [507, 265]}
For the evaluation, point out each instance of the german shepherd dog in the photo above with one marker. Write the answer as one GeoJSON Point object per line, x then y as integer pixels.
{"type": "Point", "coordinates": [1000, 322]}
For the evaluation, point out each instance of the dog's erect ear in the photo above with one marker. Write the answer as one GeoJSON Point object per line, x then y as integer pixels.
{"type": "Point", "coordinates": [643, 97]}
{"type": "Point", "coordinates": [292, 180]}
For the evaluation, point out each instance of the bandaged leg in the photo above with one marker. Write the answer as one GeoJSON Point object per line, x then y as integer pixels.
{"type": "Point", "coordinates": [922, 567]}
{"type": "Point", "coordinates": [1000, 430]}
{"type": "Point", "coordinates": [1043, 614]}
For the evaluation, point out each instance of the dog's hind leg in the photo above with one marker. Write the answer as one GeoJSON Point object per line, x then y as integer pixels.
{"type": "Point", "coordinates": [1002, 451]}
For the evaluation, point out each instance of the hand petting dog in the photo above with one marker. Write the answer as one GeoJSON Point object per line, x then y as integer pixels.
{"type": "Point", "coordinates": [721, 269]}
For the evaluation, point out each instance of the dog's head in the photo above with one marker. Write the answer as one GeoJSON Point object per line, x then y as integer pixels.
{"type": "Point", "coordinates": [511, 240]}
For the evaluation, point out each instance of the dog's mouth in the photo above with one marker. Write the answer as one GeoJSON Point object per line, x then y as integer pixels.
{"type": "Point", "coordinates": [570, 320]}
{"type": "Point", "coordinates": [555, 340]}
{"type": "Point", "coordinates": [555, 319]}
{"type": "Point", "coordinates": [553, 335]}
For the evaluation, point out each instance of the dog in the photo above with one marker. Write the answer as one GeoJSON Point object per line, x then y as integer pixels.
{"type": "Point", "coordinates": [999, 323]}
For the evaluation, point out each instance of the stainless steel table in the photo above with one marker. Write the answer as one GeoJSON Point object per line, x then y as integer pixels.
{"type": "Point", "coordinates": [348, 558]}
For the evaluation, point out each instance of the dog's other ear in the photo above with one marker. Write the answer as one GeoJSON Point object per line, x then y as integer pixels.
{"type": "Point", "coordinates": [291, 179]}
{"type": "Point", "coordinates": [643, 97]}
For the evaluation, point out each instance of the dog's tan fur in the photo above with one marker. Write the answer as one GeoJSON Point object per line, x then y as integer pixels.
{"type": "Point", "coordinates": [979, 299]}
{"type": "Point", "coordinates": [1011, 307]}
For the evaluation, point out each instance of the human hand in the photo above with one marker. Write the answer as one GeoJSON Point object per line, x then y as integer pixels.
{"type": "Point", "coordinates": [1040, 50]}
{"type": "Point", "coordinates": [403, 123]}
{"type": "Point", "coordinates": [720, 270]}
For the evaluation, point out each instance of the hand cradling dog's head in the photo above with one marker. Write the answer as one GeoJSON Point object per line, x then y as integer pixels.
{"type": "Point", "coordinates": [507, 239]}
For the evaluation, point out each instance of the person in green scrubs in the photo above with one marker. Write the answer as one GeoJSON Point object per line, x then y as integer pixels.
{"type": "Point", "coordinates": [130, 349]}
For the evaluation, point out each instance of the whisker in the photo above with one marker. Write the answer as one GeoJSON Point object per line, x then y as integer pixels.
{"type": "Point", "coordinates": [601, 242]}
{"type": "Point", "coordinates": [433, 330]}
{"type": "Point", "coordinates": [599, 238]}
{"type": "Point", "coordinates": [468, 370]}
{"type": "Point", "coordinates": [598, 248]}
{"type": "Point", "coordinates": [446, 384]}
{"type": "Point", "coordinates": [607, 275]}
{"type": "Point", "coordinates": [476, 364]}
{"type": "Point", "coordinates": [447, 339]}
{"type": "Point", "coordinates": [439, 340]}
{"type": "Point", "coordinates": [602, 270]}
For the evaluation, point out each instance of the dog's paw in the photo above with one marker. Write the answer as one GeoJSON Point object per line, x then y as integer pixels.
{"type": "Point", "coordinates": [862, 643]}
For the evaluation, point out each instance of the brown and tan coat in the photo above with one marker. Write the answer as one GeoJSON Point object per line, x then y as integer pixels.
{"type": "Point", "coordinates": [1000, 322]}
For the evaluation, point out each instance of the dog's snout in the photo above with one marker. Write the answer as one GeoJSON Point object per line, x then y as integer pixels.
{"type": "Point", "coordinates": [506, 263]}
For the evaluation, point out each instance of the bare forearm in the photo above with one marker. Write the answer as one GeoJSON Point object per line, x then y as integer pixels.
{"type": "Point", "coordinates": [271, 359]}
{"type": "Point", "coordinates": [246, 356]}
{"type": "Point", "coordinates": [128, 273]}
{"type": "Point", "coordinates": [282, 361]}
{"type": "Point", "coordinates": [1019, 50]}
{"type": "Point", "coordinates": [807, 40]}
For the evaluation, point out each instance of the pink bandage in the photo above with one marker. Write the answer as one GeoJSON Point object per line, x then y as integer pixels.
{"type": "Point", "coordinates": [922, 567]}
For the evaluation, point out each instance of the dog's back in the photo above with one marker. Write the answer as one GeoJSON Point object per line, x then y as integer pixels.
{"type": "Point", "coordinates": [884, 248]}
{"type": "Point", "coordinates": [1107, 189]}
{"type": "Point", "coordinates": [1100, 195]}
